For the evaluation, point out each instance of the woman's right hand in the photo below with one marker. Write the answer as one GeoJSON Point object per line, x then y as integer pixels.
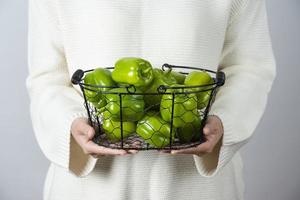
{"type": "Point", "coordinates": [83, 134]}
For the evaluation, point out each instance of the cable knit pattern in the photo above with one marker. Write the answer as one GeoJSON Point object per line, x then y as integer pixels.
{"type": "Point", "coordinates": [227, 35]}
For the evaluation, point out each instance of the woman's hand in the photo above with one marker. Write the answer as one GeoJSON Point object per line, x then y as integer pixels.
{"type": "Point", "coordinates": [83, 134]}
{"type": "Point", "coordinates": [213, 132]}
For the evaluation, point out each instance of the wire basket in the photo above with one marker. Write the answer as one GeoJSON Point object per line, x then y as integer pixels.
{"type": "Point", "coordinates": [174, 104]}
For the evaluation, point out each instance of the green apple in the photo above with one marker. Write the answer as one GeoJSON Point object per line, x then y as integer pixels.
{"type": "Point", "coordinates": [196, 78]}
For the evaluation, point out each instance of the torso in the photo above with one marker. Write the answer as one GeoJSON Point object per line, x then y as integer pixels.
{"type": "Point", "coordinates": [98, 32]}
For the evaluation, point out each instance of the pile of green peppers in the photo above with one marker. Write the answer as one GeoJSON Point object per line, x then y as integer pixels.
{"type": "Point", "coordinates": [145, 111]}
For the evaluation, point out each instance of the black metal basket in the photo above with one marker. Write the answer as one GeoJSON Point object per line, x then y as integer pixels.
{"type": "Point", "coordinates": [134, 141]}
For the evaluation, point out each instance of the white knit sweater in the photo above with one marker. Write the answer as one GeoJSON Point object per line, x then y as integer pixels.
{"type": "Point", "coordinates": [229, 35]}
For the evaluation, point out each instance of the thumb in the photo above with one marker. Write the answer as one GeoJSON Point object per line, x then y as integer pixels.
{"type": "Point", "coordinates": [90, 132]}
{"type": "Point", "coordinates": [206, 129]}
{"type": "Point", "coordinates": [87, 130]}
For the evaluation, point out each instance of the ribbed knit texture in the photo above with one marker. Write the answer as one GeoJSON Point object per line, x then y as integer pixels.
{"type": "Point", "coordinates": [65, 35]}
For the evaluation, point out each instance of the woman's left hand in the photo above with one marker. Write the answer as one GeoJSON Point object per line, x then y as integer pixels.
{"type": "Point", "coordinates": [213, 132]}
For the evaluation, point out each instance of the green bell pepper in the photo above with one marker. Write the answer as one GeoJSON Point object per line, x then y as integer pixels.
{"type": "Point", "coordinates": [178, 77]}
{"type": "Point", "coordinates": [134, 71]}
{"type": "Point", "coordinates": [190, 131]}
{"type": "Point", "coordinates": [200, 78]}
{"type": "Point", "coordinates": [112, 128]}
{"type": "Point", "coordinates": [160, 78]}
{"type": "Point", "coordinates": [154, 130]}
{"type": "Point", "coordinates": [132, 105]}
{"type": "Point", "coordinates": [185, 107]}
{"type": "Point", "coordinates": [99, 77]}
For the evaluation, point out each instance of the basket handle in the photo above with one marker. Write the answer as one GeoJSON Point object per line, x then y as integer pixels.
{"type": "Point", "coordinates": [77, 76]}
{"type": "Point", "coordinates": [220, 78]}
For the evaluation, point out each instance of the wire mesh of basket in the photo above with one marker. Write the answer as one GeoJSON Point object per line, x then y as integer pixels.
{"type": "Point", "coordinates": [129, 121]}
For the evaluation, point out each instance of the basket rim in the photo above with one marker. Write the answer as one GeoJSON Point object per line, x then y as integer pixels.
{"type": "Point", "coordinates": [161, 89]}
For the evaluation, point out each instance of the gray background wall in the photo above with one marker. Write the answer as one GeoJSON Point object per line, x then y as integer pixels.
{"type": "Point", "coordinates": [272, 161]}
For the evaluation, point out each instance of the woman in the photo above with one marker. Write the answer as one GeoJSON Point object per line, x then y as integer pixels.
{"type": "Point", "coordinates": [65, 35]}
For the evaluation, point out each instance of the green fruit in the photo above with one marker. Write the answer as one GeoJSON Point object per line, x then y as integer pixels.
{"type": "Point", "coordinates": [155, 131]}
{"type": "Point", "coordinates": [98, 77]}
{"type": "Point", "coordinates": [159, 79]}
{"type": "Point", "coordinates": [134, 71]}
{"type": "Point", "coordinates": [132, 105]}
{"type": "Point", "coordinates": [185, 107]}
{"type": "Point", "coordinates": [112, 129]}
{"type": "Point", "coordinates": [190, 131]}
{"type": "Point", "coordinates": [198, 78]}
{"type": "Point", "coordinates": [178, 77]}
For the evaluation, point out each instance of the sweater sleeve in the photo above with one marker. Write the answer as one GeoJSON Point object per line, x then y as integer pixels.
{"type": "Point", "coordinates": [248, 62]}
{"type": "Point", "coordinates": [54, 102]}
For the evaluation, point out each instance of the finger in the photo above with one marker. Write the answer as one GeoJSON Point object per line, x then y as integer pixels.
{"type": "Point", "coordinates": [206, 147]}
{"type": "Point", "coordinates": [212, 136]}
{"type": "Point", "coordinates": [209, 129]}
{"type": "Point", "coordinates": [90, 133]}
{"type": "Point", "coordinates": [192, 150]}
{"type": "Point", "coordinates": [203, 148]}
{"type": "Point", "coordinates": [83, 139]}
{"type": "Point", "coordinates": [216, 124]}
{"type": "Point", "coordinates": [93, 148]}
{"type": "Point", "coordinates": [133, 151]}
{"type": "Point", "coordinates": [206, 129]}
{"type": "Point", "coordinates": [87, 130]}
